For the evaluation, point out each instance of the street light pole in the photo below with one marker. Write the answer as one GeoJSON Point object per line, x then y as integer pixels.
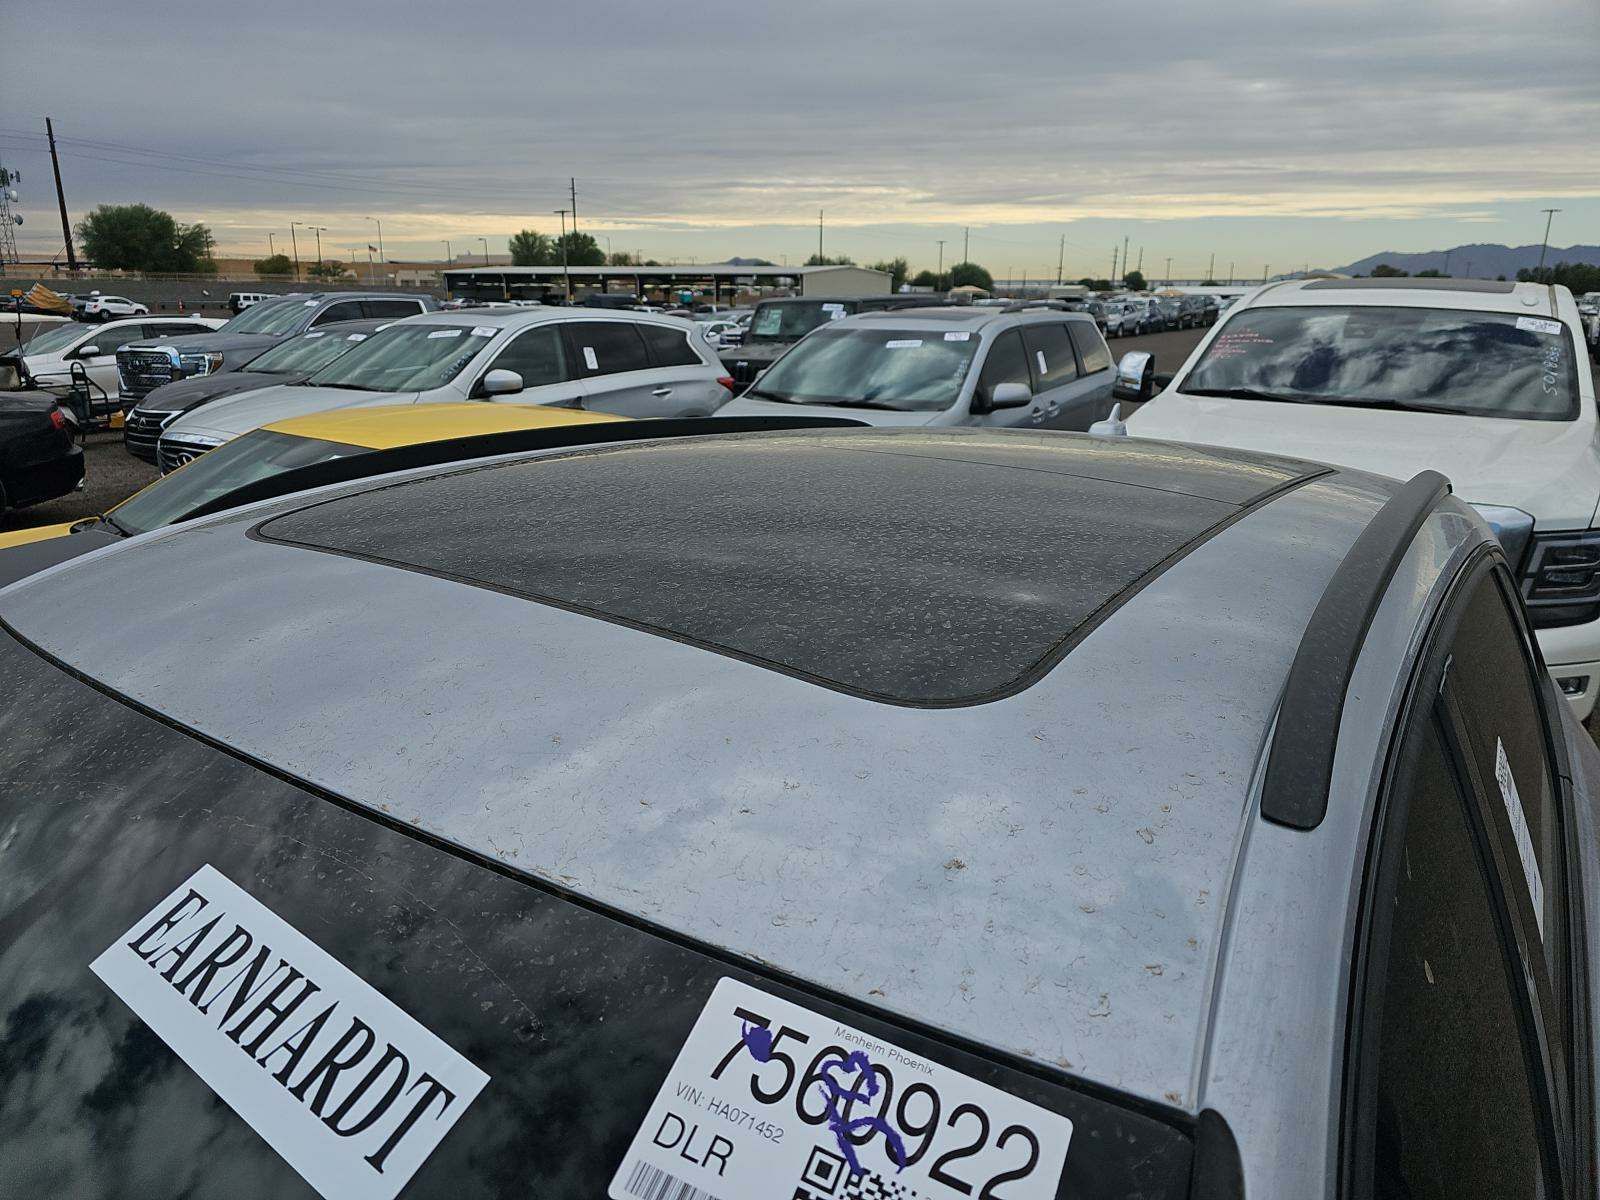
{"type": "Point", "coordinates": [319, 230]}
{"type": "Point", "coordinates": [271, 249]}
{"type": "Point", "coordinates": [566, 268]}
{"type": "Point", "coordinates": [485, 242]}
{"type": "Point", "coordinates": [447, 257]}
{"type": "Point", "coordinates": [1549, 215]}
{"type": "Point", "coordinates": [294, 244]}
{"type": "Point", "coordinates": [938, 279]}
{"type": "Point", "coordinates": [379, 224]}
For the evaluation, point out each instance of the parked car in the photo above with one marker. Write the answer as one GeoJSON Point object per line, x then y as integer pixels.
{"type": "Point", "coordinates": [620, 362]}
{"type": "Point", "coordinates": [1210, 310]}
{"type": "Point", "coordinates": [720, 332]}
{"type": "Point", "coordinates": [1060, 816]}
{"type": "Point", "coordinates": [99, 307]}
{"type": "Point", "coordinates": [291, 361]}
{"type": "Point", "coordinates": [239, 301]}
{"type": "Point", "coordinates": [777, 324]}
{"type": "Point", "coordinates": [1148, 317]}
{"type": "Point", "coordinates": [54, 354]}
{"type": "Point", "coordinates": [1482, 380]}
{"type": "Point", "coordinates": [39, 458]}
{"type": "Point", "coordinates": [143, 368]}
{"type": "Point", "coordinates": [300, 453]}
{"type": "Point", "coordinates": [1018, 367]}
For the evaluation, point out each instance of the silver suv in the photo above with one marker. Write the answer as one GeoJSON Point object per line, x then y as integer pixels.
{"type": "Point", "coordinates": [948, 813]}
{"type": "Point", "coordinates": [630, 364]}
{"type": "Point", "coordinates": [1016, 366]}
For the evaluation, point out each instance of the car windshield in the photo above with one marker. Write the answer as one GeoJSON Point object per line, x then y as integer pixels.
{"type": "Point", "coordinates": [406, 358]}
{"type": "Point", "coordinates": [792, 321]}
{"type": "Point", "coordinates": [1428, 359]}
{"type": "Point", "coordinates": [308, 352]}
{"type": "Point", "coordinates": [277, 316]}
{"type": "Point", "coordinates": [907, 370]}
{"type": "Point", "coordinates": [54, 338]}
{"type": "Point", "coordinates": [256, 455]}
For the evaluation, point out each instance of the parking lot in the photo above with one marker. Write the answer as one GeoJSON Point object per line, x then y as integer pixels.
{"type": "Point", "coordinates": [111, 474]}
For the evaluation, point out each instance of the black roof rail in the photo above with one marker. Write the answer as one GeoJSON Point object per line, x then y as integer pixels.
{"type": "Point", "coordinates": [485, 445]}
{"type": "Point", "coordinates": [1049, 303]}
{"type": "Point", "coordinates": [1300, 761]}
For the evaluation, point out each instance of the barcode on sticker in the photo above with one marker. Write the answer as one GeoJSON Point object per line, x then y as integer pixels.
{"type": "Point", "coordinates": [652, 1183]}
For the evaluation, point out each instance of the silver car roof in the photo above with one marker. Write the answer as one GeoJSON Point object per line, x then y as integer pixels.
{"type": "Point", "coordinates": [1045, 871]}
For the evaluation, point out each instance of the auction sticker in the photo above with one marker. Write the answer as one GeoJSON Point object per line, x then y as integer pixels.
{"type": "Point", "coordinates": [1538, 325]}
{"type": "Point", "coordinates": [767, 1099]}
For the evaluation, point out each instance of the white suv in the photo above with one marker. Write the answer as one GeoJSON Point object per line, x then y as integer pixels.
{"type": "Point", "coordinates": [625, 363]}
{"type": "Point", "coordinates": [1484, 381]}
{"type": "Point", "coordinates": [100, 307]}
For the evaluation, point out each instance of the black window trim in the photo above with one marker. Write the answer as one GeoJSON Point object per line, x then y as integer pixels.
{"type": "Point", "coordinates": [1090, 330]}
{"type": "Point", "coordinates": [1431, 699]}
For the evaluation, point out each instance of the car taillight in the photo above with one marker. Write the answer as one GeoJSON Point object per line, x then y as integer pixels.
{"type": "Point", "coordinates": [58, 418]}
{"type": "Point", "coordinates": [1561, 579]}
{"type": "Point", "coordinates": [726, 381]}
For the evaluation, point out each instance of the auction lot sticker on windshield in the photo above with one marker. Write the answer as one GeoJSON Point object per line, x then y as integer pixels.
{"type": "Point", "coordinates": [1538, 325]}
{"type": "Point", "coordinates": [768, 1099]}
{"type": "Point", "coordinates": [341, 1082]}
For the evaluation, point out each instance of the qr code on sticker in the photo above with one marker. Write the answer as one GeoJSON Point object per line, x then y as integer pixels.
{"type": "Point", "coordinates": [827, 1177]}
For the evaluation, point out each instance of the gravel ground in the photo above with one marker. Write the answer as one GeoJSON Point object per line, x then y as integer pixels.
{"type": "Point", "coordinates": [112, 474]}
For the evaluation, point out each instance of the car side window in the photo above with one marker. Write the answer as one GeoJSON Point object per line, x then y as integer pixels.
{"type": "Point", "coordinates": [1092, 348]}
{"type": "Point", "coordinates": [669, 347]}
{"type": "Point", "coordinates": [345, 310]}
{"type": "Point", "coordinates": [537, 355]}
{"type": "Point", "coordinates": [1050, 351]}
{"type": "Point", "coordinates": [173, 329]}
{"type": "Point", "coordinates": [607, 347]}
{"type": "Point", "coordinates": [109, 341]}
{"type": "Point", "coordinates": [1459, 1080]}
{"type": "Point", "coordinates": [381, 309]}
{"type": "Point", "coordinates": [1006, 362]}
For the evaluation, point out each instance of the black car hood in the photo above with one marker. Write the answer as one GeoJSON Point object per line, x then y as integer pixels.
{"type": "Point", "coordinates": [181, 395]}
{"type": "Point", "coordinates": [221, 340]}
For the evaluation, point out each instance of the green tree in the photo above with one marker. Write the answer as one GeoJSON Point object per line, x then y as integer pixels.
{"type": "Point", "coordinates": [582, 251]}
{"type": "Point", "coordinates": [136, 237]}
{"type": "Point", "coordinates": [925, 279]}
{"type": "Point", "coordinates": [967, 274]}
{"type": "Point", "coordinates": [532, 249]}
{"type": "Point", "coordinates": [1430, 273]}
{"type": "Point", "coordinates": [1135, 281]}
{"type": "Point", "coordinates": [1579, 277]}
{"type": "Point", "coordinates": [823, 260]}
{"type": "Point", "coordinates": [327, 270]}
{"type": "Point", "coordinates": [623, 258]}
{"type": "Point", "coordinates": [1208, 283]}
{"type": "Point", "coordinates": [1385, 271]}
{"type": "Point", "coordinates": [898, 269]}
{"type": "Point", "coordinates": [277, 264]}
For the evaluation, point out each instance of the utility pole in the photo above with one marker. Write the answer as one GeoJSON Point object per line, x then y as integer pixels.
{"type": "Point", "coordinates": [1113, 278]}
{"type": "Point", "coordinates": [938, 278]}
{"type": "Point", "coordinates": [1140, 267]}
{"type": "Point", "coordinates": [966, 241]}
{"type": "Point", "coordinates": [319, 230]}
{"type": "Point", "coordinates": [1211, 270]}
{"type": "Point", "coordinates": [1549, 215]}
{"type": "Point", "coordinates": [819, 236]}
{"type": "Point", "coordinates": [566, 269]}
{"type": "Point", "coordinates": [294, 244]}
{"type": "Point", "coordinates": [1265, 272]}
{"type": "Point", "coordinates": [1468, 275]}
{"type": "Point", "coordinates": [572, 182]}
{"type": "Point", "coordinates": [61, 198]}
{"type": "Point", "coordinates": [448, 257]}
{"type": "Point", "coordinates": [271, 249]}
{"type": "Point", "coordinates": [379, 224]}
{"type": "Point", "coordinates": [1124, 255]}
{"type": "Point", "coordinates": [1230, 274]}
{"type": "Point", "coordinates": [1447, 264]}
{"type": "Point", "coordinates": [1061, 259]}
{"type": "Point", "coordinates": [369, 264]}
{"type": "Point", "coordinates": [1169, 270]}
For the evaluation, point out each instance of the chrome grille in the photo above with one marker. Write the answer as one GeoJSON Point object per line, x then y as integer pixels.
{"type": "Point", "coordinates": [172, 453]}
{"type": "Point", "coordinates": [139, 372]}
{"type": "Point", "coordinates": [140, 429]}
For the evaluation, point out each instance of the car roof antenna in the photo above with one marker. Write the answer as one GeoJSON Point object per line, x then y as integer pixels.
{"type": "Point", "coordinates": [1113, 425]}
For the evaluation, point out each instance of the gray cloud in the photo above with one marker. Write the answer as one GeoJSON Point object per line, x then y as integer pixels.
{"type": "Point", "coordinates": [446, 118]}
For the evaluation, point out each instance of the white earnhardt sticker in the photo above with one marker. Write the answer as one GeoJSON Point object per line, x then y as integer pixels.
{"type": "Point", "coordinates": [767, 1098]}
{"type": "Point", "coordinates": [1519, 831]}
{"type": "Point", "coordinates": [444, 333]}
{"type": "Point", "coordinates": [589, 359]}
{"type": "Point", "coordinates": [1043, 370]}
{"type": "Point", "coordinates": [484, 331]}
{"type": "Point", "coordinates": [1538, 325]}
{"type": "Point", "coordinates": [356, 337]}
{"type": "Point", "coordinates": [903, 344]}
{"type": "Point", "coordinates": [345, 1085]}
{"type": "Point", "coordinates": [316, 333]}
{"type": "Point", "coordinates": [958, 335]}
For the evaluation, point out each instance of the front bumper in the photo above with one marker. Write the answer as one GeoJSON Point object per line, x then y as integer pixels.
{"type": "Point", "coordinates": [1572, 654]}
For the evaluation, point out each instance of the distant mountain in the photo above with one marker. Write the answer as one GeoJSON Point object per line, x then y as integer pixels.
{"type": "Point", "coordinates": [1481, 260]}
{"type": "Point", "coordinates": [748, 262]}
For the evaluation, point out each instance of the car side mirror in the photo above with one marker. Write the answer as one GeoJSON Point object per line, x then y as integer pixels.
{"type": "Point", "coordinates": [88, 351]}
{"type": "Point", "coordinates": [1163, 381]}
{"type": "Point", "coordinates": [1135, 379]}
{"type": "Point", "coordinates": [502, 383]}
{"type": "Point", "coordinates": [1008, 395]}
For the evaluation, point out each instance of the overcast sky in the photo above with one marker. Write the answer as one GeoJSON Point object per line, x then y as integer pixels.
{"type": "Point", "coordinates": [1267, 133]}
